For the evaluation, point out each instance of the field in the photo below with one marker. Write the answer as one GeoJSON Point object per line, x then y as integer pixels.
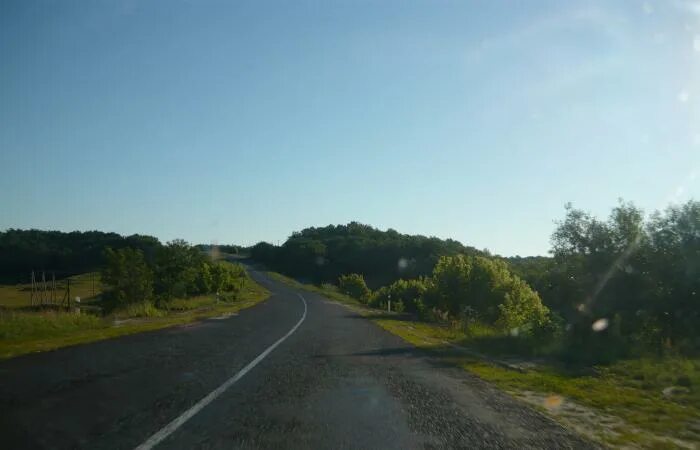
{"type": "Point", "coordinates": [644, 403]}
{"type": "Point", "coordinates": [17, 296]}
{"type": "Point", "coordinates": [23, 331]}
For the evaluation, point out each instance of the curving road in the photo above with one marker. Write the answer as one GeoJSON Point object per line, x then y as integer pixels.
{"type": "Point", "coordinates": [296, 371]}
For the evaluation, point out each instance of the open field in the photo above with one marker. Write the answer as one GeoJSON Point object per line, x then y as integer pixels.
{"type": "Point", "coordinates": [26, 332]}
{"type": "Point", "coordinates": [17, 296]}
{"type": "Point", "coordinates": [649, 403]}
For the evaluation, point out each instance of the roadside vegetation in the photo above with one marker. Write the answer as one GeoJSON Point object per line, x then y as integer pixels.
{"type": "Point", "coordinates": [603, 334]}
{"type": "Point", "coordinates": [645, 402]}
{"type": "Point", "coordinates": [24, 331]}
{"type": "Point", "coordinates": [133, 291]}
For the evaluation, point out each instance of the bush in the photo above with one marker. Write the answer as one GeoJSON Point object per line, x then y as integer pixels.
{"type": "Point", "coordinates": [329, 287]}
{"type": "Point", "coordinates": [205, 279]}
{"type": "Point", "coordinates": [484, 290]}
{"type": "Point", "coordinates": [354, 285]}
{"type": "Point", "coordinates": [143, 309]}
{"type": "Point", "coordinates": [583, 345]}
{"type": "Point", "coordinates": [407, 293]}
{"type": "Point", "coordinates": [449, 284]}
{"type": "Point", "coordinates": [521, 307]}
{"type": "Point", "coordinates": [228, 278]}
{"type": "Point", "coordinates": [127, 276]}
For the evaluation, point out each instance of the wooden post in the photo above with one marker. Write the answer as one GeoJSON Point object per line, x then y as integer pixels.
{"type": "Point", "coordinates": [53, 288]}
{"type": "Point", "coordinates": [44, 292]}
{"type": "Point", "coordinates": [32, 293]}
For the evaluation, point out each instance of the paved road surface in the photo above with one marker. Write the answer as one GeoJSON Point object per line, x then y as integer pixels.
{"type": "Point", "coordinates": [338, 381]}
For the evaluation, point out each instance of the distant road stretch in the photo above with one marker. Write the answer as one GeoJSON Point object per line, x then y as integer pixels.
{"type": "Point", "coordinates": [295, 371]}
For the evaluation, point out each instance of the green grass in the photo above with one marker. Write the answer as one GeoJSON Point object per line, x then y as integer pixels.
{"type": "Point", "coordinates": [645, 411]}
{"type": "Point", "coordinates": [189, 304]}
{"type": "Point", "coordinates": [144, 309]}
{"type": "Point", "coordinates": [28, 332]}
{"type": "Point", "coordinates": [17, 295]}
{"type": "Point", "coordinates": [631, 390]}
{"type": "Point", "coordinates": [622, 404]}
{"type": "Point", "coordinates": [19, 325]}
{"type": "Point", "coordinates": [328, 290]}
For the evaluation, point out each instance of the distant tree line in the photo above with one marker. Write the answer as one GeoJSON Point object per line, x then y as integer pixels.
{"type": "Point", "coordinates": [220, 249]}
{"type": "Point", "coordinates": [134, 268]}
{"type": "Point", "coordinates": [22, 251]}
{"type": "Point", "coordinates": [323, 254]}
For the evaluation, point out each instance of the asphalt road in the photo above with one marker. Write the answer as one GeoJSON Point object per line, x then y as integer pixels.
{"type": "Point", "coordinates": [337, 381]}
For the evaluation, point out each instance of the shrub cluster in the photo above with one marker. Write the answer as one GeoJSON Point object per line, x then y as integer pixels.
{"type": "Point", "coordinates": [354, 285]}
{"type": "Point", "coordinates": [466, 288]}
{"type": "Point", "coordinates": [176, 270]}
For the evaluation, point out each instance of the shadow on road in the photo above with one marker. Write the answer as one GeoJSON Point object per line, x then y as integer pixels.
{"type": "Point", "coordinates": [437, 357]}
{"type": "Point", "coordinates": [381, 315]}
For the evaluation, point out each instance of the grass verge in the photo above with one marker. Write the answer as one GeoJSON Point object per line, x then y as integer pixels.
{"type": "Point", "coordinates": [638, 403]}
{"type": "Point", "coordinates": [24, 332]}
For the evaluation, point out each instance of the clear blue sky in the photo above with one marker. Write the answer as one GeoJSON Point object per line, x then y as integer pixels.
{"type": "Point", "coordinates": [240, 121]}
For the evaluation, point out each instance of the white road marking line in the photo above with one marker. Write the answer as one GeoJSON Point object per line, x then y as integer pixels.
{"type": "Point", "coordinates": [187, 415]}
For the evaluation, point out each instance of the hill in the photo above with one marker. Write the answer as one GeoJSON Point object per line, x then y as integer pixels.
{"type": "Point", "coordinates": [323, 254]}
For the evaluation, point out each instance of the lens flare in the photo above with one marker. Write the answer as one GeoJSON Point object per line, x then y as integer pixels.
{"type": "Point", "coordinates": [600, 325]}
{"type": "Point", "coordinates": [553, 402]}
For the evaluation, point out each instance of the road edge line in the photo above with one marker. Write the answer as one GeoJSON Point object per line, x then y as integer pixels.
{"type": "Point", "coordinates": [171, 427]}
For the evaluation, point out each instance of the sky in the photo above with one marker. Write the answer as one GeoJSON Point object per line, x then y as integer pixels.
{"type": "Point", "coordinates": [235, 122]}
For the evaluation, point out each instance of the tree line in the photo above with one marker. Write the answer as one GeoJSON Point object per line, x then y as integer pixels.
{"type": "Point", "coordinates": [639, 273]}
{"type": "Point", "coordinates": [627, 283]}
{"type": "Point", "coordinates": [134, 268]}
{"type": "Point", "coordinates": [65, 254]}
{"type": "Point", "coordinates": [174, 270]}
{"type": "Point", "coordinates": [323, 254]}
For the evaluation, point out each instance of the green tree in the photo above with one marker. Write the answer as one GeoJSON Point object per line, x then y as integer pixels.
{"type": "Point", "coordinates": [408, 292]}
{"type": "Point", "coordinates": [205, 280]}
{"type": "Point", "coordinates": [521, 308]}
{"type": "Point", "coordinates": [177, 268]}
{"type": "Point", "coordinates": [227, 278]}
{"type": "Point", "coordinates": [481, 288]}
{"type": "Point", "coordinates": [450, 284]}
{"type": "Point", "coordinates": [128, 277]}
{"type": "Point", "coordinates": [674, 266]}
